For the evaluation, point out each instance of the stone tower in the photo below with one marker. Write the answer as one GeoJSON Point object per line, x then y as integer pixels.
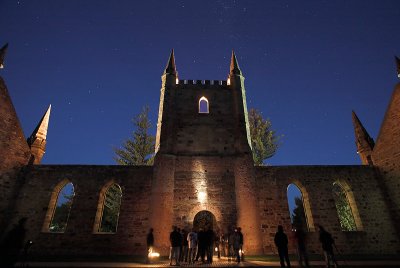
{"type": "Point", "coordinates": [203, 157]}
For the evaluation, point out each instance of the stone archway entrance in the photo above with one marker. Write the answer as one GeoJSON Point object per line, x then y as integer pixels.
{"type": "Point", "coordinates": [204, 220]}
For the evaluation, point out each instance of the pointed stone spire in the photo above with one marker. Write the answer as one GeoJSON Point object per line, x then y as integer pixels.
{"type": "Point", "coordinates": [234, 69]}
{"type": "Point", "coordinates": [171, 68]}
{"type": "Point", "coordinates": [37, 140]}
{"type": "Point", "coordinates": [365, 144]}
{"type": "Point", "coordinates": [398, 66]}
{"type": "Point", "coordinates": [2, 55]}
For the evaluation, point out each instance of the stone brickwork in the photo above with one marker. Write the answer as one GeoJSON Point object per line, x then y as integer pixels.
{"type": "Point", "coordinates": [386, 154]}
{"type": "Point", "coordinates": [376, 233]}
{"type": "Point", "coordinates": [88, 181]}
{"type": "Point", "coordinates": [14, 153]}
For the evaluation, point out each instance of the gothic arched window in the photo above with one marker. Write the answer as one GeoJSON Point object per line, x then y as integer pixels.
{"type": "Point", "coordinates": [59, 207]}
{"type": "Point", "coordinates": [343, 208]}
{"type": "Point", "coordinates": [299, 207]}
{"type": "Point", "coordinates": [203, 106]}
{"type": "Point", "coordinates": [108, 209]}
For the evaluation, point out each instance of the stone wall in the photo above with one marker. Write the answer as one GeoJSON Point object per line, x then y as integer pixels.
{"type": "Point", "coordinates": [14, 153]}
{"type": "Point", "coordinates": [204, 183]}
{"type": "Point", "coordinates": [376, 233]}
{"type": "Point", "coordinates": [204, 133]}
{"type": "Point", "coordinates": [386, 155]}
{"type": "Point", "coordinates": [88, 181]}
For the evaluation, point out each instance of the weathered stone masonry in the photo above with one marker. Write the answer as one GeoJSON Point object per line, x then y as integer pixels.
{"type": "Point", "coordinates": [203, 162]}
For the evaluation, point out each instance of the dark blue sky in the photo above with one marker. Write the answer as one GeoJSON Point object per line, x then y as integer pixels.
{"type": "Point", "coordinates": [307, 65]}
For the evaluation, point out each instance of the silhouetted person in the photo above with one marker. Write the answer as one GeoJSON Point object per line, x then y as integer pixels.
{"type": "Point", "coordinates": [230, 244]}
{"type": "Point", "coordinates": [236, 244]}
{"type": "Point", "coordinates": [241, 243]}
{"type": "Point", "coordinates": [300, 237]}
{"type": "Point", "coordinates": [209, 234]}
{"type": "Point", "coordinates": [281, 242]}
{"type": "Point", "coordinates": [217, 242]}
{"type": "Point", "coordinates": [184, 251]}
{"type": "Point", "coordinates": [176, 242]}
{"type": "Point", "coordinates": [202, 243]}
{"type": "Point", "coordinates": [192, 242]}
{"type": "Point", "coordinates": [12, 244]}
{"type": "Point", "coordinates": [327, 243]}
{"type": "Point", "coordinates": [150, 243]}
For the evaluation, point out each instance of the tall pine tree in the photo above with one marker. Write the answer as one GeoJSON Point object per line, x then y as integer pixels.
{"type": "Point", "coordinates": [264, 140]}
{"type": "Point", "coordinates": [139, 149]}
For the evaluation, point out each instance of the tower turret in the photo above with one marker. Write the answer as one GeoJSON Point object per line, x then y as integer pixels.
{"type": "Point", "coordinates": [365, 144]}
{"type": "Point", "coordinates": [162, 192]}
{"type": "Point", "coordinates": [170, 68]}
{"type": "Point", "coordinates": [236, 82]}
{"type": "Point", "coordinates": [37, 140]}
{"type": "Point", "coordinates": [246, 203]}
{"type": "Point", "coordinates": [2, 55]}
{"type": "Point", "coordinates": [165, 120]}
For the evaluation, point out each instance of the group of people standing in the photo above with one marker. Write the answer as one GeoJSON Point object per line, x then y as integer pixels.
{"type": "Point", "coordinates": [192, 246]}
{"type": "Point", "coordinates": [326, 239]}
{"type": "Point", "coordinates": [188, 247]}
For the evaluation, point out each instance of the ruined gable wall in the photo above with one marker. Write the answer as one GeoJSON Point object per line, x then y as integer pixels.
{"type": "Point", "coordinates": [386, 154]}
{"type": "Point", "coordinates": [377, 235]}
{"type": "Point", "coordinates": [88, 181]}
{"type": "Point", "coordinates": [14, 153]}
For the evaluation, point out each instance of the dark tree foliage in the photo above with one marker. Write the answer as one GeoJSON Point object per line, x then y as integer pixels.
{"type": "Point", "coordinates": [343, 208]}
{"type": "Point", "coordinates": [139, 149]}
{"type": "Point", "coordinates": [298, 216]}
{"type": "Point", "coordinates": [111, 206]}
{"type": "Point", "coordinates": [264, 140]}
{"type": "Point", "coordinates": [61, 213]}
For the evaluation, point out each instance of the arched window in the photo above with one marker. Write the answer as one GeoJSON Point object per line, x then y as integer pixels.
{"type": "Point", "coordinates": [59, 207]}
{"type": "Point", "coordinates": [299, 207]}
{"type": "Point", "coordinates": [344, 210]}
{"type": "Point", "coordinates": [108, 209]}
{"type": "Point", "coordinates": [203, 106]}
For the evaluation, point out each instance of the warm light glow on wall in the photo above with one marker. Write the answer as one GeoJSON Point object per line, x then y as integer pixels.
{"type": "Point", "coordinates": [202, 197]}
{"type": "Point", "coordinates": [177, 80]}
{"type": "Point", "coordinates": [200, 182]}
{"type": "Point", "coordinates": [228, 82]}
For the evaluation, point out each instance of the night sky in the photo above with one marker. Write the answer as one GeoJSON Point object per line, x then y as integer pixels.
{"type": "Point", "coordinates": [307, 64]}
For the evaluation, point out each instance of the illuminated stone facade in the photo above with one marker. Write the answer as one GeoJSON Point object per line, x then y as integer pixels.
{"type": "Point", "coordinates": [203, 163]}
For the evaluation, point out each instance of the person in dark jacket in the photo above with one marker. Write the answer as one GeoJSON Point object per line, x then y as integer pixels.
{"type": "Point", "coordinates": [176, 242]}
{"type": "Point", "coordinates": [300, 237]}
{"type": "Point", "coordinates": [12, 244]}
{"type": "Point", "coordinates": [150, 243]}
{"type": "Point", "coordinates": [236, 245]}
{"type": "Point", "coordinates": [281, 242]}
{"type": "Point", "coordinates": [327, 243]}
{"type": "Point", "coordinates": [209, 245]}
{"type": "Point", "coordinates": [201, 252]}
{"type": "Point", "coordinates": [241, 243]}
{"type": "Point", "coordinates": [184, 251]}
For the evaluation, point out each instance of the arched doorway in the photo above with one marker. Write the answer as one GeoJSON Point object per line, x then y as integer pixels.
{"type": "Point", "coordinates": [204, 220]}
